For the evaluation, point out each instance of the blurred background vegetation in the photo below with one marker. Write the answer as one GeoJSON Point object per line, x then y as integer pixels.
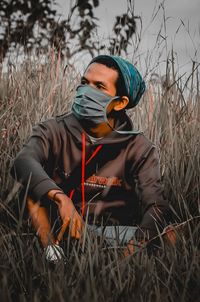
{"type": "Point", "coordinates": [35, 25]}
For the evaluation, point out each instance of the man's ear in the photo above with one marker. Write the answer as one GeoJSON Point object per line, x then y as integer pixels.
{"type": "Point", "coordinates": [121, 103]}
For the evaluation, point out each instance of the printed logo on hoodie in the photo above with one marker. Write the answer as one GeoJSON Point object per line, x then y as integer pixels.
{"type": "Point", "coordinates": [104, 181]}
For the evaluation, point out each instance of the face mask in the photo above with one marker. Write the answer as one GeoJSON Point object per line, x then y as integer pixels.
{"type": "Point", "coordinates": [90, 104]}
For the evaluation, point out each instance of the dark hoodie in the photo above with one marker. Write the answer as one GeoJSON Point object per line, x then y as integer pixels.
{"type": "Point", "coordinates": [118, 177]}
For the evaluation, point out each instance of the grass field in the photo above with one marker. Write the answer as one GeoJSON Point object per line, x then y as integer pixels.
{"type": "Point", "coordinates": [169, 114]}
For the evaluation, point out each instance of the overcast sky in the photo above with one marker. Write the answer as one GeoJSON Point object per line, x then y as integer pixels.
{"type": "Point", "coordinates": [186, 42]}
{"type": "Point", "coordinates": [184, 38]}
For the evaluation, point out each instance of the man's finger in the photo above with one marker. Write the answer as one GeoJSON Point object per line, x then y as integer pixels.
{"type": "Point", "coordinates": [79, 229]}
{"type": "Point", "coordinates": [73, 226]}
{"type": "Point", "coordinates": [130, 248]}
{"type": "Point", "coordinates": [170, 236]}
{"type": "Point", "coordinates": [62, 231]}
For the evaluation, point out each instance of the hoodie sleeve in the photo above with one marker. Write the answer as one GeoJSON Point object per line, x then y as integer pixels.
{"type": "Point", "coordinates": [39, 152]}
{"type": "Point", "coordinates": [154, 207]}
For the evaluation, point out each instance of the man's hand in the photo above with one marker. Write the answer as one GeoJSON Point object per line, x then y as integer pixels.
{"type": "Point", "coordinates": [171, 231]}
{"type": "Point", "coordinates": [129, 249]}
{"type": "Point", "coordinates": [132, 247]}
{"type": "Point", "coordinates": [69, 215]}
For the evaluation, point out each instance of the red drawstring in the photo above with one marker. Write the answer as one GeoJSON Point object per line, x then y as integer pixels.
{"type": "Point", "coordinates": [83, 164]}
{"type": "Point", "coordinates": [94, 154]}
{"type": "Point", "coordinates": [71, 194]}
{"type": "Point", "coordinates": [83, 174]}
{"type": "Point", "coordinates": [83, 168]}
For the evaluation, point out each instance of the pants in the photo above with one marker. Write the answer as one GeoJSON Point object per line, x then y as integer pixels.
{"type": "Point", "coordinates": [114, 235]}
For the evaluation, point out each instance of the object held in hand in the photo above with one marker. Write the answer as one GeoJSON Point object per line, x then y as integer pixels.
{"type": "Point", "coordinates": [54, 253]}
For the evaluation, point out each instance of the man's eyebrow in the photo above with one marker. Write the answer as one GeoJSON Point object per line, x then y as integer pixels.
{"type": "Point", "coordinates": [96, 82]}
{"type": "Point", "coordinates": [83, 78]}
{"type": "Point", "coordinates": [101, 83]}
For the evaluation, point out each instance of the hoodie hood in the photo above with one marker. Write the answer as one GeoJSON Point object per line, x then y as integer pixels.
{"type": "Point", "coordinates": [123, 131]}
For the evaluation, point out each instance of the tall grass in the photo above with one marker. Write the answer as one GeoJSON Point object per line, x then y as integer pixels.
{"type": "Point", "coordinates": [29, 93]}
{"type": "Point", "coordinates": [169, 115]}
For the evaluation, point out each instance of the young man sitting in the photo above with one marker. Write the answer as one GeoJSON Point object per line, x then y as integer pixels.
{"type": "Point", "coordinates": [91, 162]}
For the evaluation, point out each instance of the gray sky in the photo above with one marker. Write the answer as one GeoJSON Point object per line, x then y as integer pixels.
{"type": "Point", "coordinates": [186, 42]}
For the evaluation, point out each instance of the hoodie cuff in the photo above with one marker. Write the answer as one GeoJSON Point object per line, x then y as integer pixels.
{"type": "Point", "coordinates": [43, 188]}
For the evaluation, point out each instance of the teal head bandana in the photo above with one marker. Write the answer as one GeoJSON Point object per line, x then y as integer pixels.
{"type": "Point", "coordinates": [134, 86]}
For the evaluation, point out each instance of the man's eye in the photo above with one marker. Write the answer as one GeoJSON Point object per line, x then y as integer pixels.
{"type": "Point", "coordinates": [100, 86]}
{"type": "Point", "coordinates": [83, 82]}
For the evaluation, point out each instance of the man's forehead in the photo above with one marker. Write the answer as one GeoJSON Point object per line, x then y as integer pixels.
{"type": "Point", "coordinates": [100, 72]}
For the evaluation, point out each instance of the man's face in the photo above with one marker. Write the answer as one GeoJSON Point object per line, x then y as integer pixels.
{"type": "Point", "coordinates": [101, 77]}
